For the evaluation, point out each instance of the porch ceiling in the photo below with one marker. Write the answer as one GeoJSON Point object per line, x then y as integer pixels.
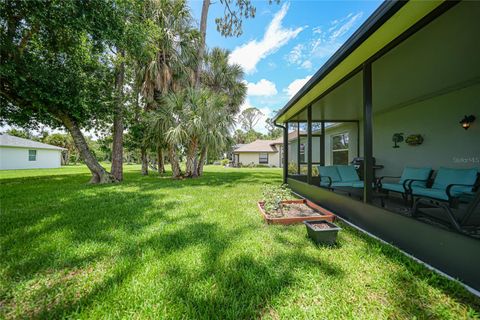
{"type": "Point", "coordinates": [438, 59]}
{"type": "Point", "coordinates": [407, 16]}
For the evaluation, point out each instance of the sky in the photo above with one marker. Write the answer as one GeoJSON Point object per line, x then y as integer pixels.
{"type": "Point", "coordinates": [285, 44]}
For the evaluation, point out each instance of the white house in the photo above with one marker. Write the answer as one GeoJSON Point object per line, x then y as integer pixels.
{"type": "Point", "coordinates": [263, 152]}
{"type": "Point", "coordinates": [19, 153]}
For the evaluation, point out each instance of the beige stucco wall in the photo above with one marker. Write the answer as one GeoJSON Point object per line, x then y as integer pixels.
{"type": "Point", "coordinates": [246, 158]}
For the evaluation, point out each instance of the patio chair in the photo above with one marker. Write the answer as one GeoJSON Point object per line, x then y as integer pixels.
{"type": "Point", "coordinates": [339, 176]}
{"type": "Point", "coordinates": [459, 218]}
{"type": "Point", "coordinates": [420, 175]}
{"type": "Point", "coordinates": [448, 186]}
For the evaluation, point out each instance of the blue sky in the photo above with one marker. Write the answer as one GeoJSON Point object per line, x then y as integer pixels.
{"type": "Point", "coordinates": [283, 46]}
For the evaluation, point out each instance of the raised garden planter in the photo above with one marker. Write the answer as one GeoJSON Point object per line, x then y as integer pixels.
{"type": "Point", "coordinates": [322, 231]}
{"type": "Point", "coordinates": [311, 212]}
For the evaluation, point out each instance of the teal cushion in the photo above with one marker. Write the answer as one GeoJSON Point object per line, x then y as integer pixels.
{"type": "Point", "coordinates": [440, 194]}
{"type": "Point", "coordinates": [328, 171]}
{"type": "Point", "coordinates": [447, 176]}
{"type": "Point", "coordinates": [415, 173]}
{"type": "Point", "coordinates": [348, 173]}
{"type": "Point", "coordinates": [397, 187]}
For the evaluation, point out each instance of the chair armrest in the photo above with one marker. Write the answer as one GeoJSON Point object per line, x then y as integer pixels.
{"type": "Point", "coordinates": [329, 180]}
{"type": "Point", "coordinates": [407, 184]}
{"type": "Point", "coordinates": [379, 180]}
{"type": "Point", "coordinates": [450, 186]}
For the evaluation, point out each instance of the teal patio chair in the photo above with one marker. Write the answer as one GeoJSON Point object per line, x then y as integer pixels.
{"type": "Point", "coordinates": [460, 218]}
{"type": "Point", "coordinates": [448, 186]}
{"type": "Point", "coordinates": [420, 175]}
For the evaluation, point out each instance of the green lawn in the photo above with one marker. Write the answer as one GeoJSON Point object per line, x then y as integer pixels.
{"type": "Point", "coordinates": [151, 247]}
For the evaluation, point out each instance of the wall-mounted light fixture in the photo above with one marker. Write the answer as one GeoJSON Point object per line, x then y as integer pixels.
{"type": "Point", "coordinates": [466, 121]}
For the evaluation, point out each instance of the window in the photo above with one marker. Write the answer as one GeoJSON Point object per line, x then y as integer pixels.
{"type": "Point", "coordinates": [302, 153]}
{"type": "Point", "coordinates": [32, 155]}
{"type": "Point", "coordinates": [263, 158]}
{"type": "Point", "coordinates": [340, 148]}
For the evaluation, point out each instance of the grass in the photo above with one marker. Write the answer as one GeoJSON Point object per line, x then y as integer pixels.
{"type": "Point", "coordinates": [151, 247]}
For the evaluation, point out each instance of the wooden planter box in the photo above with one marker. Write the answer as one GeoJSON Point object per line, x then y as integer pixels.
{"type": "Point", "coordinates": [324, 213]}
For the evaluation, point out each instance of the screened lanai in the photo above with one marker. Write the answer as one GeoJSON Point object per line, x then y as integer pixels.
{"type": "Point", "coordinates": [400, 105]}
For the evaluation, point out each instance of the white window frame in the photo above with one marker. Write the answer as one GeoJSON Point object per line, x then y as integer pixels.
{"type": "Point", "coordinates": [331, 145]}
{"type": "Point", "coordinates": [260, 157]}
{"type": "Point", "coordinates": [30, 155]}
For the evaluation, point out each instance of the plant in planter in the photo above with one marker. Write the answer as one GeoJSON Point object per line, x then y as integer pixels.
{"type": "Point", "coordinates": [273, 197]}
{"type": "Point", "coordinates": [279, 206]}
{"type": "Point", "coordinates": [322, 231]}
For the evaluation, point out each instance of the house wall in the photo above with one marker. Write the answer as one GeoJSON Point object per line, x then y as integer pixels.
{"type": "Point", "coordinates": [446, 143]}
{"type": "Point", "coordinates": [246, 158]}
{"type": "Point", "coordinates": [349, 127]}
{"type": "Point", "coordinates": [17, 158]}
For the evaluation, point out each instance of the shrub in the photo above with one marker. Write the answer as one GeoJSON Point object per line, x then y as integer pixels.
{"type": "Point", "coordinates": [224, 162]}
{"type": "Point", "coordinates": [292, 168]}
{"type": "Point", "coordinates": [273, 197]}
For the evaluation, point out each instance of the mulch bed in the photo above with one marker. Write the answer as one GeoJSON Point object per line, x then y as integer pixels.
{"type": "Point", "coordinates": [294, 210]}
{"type": "Point", "coordinates": [297, 211]}
{"type": "Point", "coordinates": [320, 226]}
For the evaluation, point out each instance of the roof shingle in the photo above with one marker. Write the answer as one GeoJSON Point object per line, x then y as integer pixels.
{"type": "Point", "coordinates": [12, 141]}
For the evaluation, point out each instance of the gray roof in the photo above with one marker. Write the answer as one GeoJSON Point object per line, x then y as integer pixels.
{"type": "Point", "coordinates": [12, 141]}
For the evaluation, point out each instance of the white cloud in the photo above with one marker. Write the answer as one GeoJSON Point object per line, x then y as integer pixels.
{"type": "Point", "coordinates": [307, 64]}
{"type": "Point", "coordinates": [296, 54]}
{"type": "Point", "coordinates": [344, 25]}
{"type": "Point", "coordinates": [296, 85]}
{"type": "Point", "coordinates": [322, 44]}
{"type": "Point", "coordinates": [249, 54]}
{"type": "Point", "coordinates": [317, 30]}
{"type": "Point", "coordinates": [261, 88]}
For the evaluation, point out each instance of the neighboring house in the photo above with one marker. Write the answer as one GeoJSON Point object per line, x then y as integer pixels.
{"type": "Point", "coordinates": [263, 152]}
{"type": "Point", "coordinates": [19, 153]}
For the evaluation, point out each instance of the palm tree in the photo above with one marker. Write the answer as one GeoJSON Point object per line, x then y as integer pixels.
{"type": "Point", "coordinates": [222, 77]}
{"type": "Point", "coordinates": [225, 80]}
{"type": "Point", "coordinates": [165, 128]}
{"type": "Point", "coordinates": [218, 123]}
{"type": "Point", "coordinates": [172, 66]}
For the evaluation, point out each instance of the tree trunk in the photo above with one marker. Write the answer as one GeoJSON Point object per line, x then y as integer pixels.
{"type": "Point", "coordinates": [173, 158]}
{"type": "Point", "coordinates": [161, 162]}
{"type": "Point", "coordinates": [144, 160]}
{"type": "Point", "coordinates": [99, 174]}
{"type": "Point", "coordinates": [117, 145]}
{"type": "Point", "coordinates": [190, 170]}
{"type": "Point", "coordinates": [203, 35]}
{"type": "Point", "coordinates": [201, 161]}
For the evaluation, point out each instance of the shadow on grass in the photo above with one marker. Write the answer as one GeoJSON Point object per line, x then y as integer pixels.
{"type": "Point", "coordinates": [409, 294]}
{"type": "Point", "coordinates": [61, 211]}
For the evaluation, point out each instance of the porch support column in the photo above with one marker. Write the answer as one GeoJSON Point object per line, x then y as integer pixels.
{"type": "Point", "coordinates": [298, 148]}
{"type": "Point", "coordinates": [285, 152]}
{"type": "Point", "coordinates": [309, 144]}
{"type": "Point", "coordinates": [322, 145]}
{"type": "Point", "coordinates": [367, 133]}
